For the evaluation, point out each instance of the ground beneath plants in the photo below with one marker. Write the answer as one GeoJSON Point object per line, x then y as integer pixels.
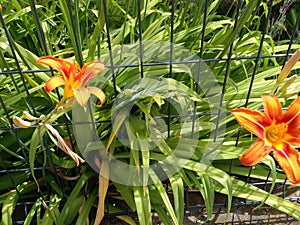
{"type": "Point", "coordinates": [239, 215]}
{"type": "Point", "coordinates": [196, 213]}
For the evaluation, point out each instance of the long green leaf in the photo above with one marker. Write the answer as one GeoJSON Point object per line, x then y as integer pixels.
{"type": "Point", "coordinates": [126, 219]}
{"type": "Point", "coordinates": [8, 208]}
{"type": "Point", "coordinates": [178, 194]}
{"type": "Point", "coordinates": [206, 188]}
{"type": "Point", "coordinates": [68, 22]}
{"type": "Point", "coordinates": [244, 190]}
{"type": "Point", "coordinates": [164, 196]}
{"type": "Point", "coordinates": [247, 10]}
{"type": "Point", "coordinates": [71, 207]}
{"type": "Point", "coordinates": [163, 215]}
{"type": "Point", "coordinates": [224, 179]}
{"type": "Point", "coordinates": [85, 211]}
{"type": "Point", "coordinates": [142, 201]}
{"type": "Point", "coordinates": [127, 195]}
{"type": "Point", "coordinates": [32, 211]}
{"type": "Point", "coordinates": [96, 33]}
{"type": "Point", "coordinates": [35, 142]}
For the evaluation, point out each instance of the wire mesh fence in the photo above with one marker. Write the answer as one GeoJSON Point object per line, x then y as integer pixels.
{"type": "Point", "coordinates": [180, 66]}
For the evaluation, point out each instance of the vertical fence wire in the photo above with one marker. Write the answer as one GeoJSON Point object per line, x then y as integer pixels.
{"type": "Point", "coordinates": [43, 43]}
{"type": "Point", "coordinates": [295, 29]}
{"type": "Point", "coordinates": [75, 30]}
{"type": "Point", "coordinates": [31, 107]}
{"type": "Point", "coordinates": [41, 34]}
{"type": "Point", "coordinates": [12, 48]}
{"type": "Point", "coordinates": [257, 63]}
{"type": "Point", "coordinates": [140, 33]}
{"type": "Point", "coordinates": [227, 70]}
{"type": "Point", "coordinates": [258, 57]}
{"type": "Point", "coordinates": [172, 3]}
{"type": "Point", "coordinates": [201, 50]}
{"type": "Point", "coordinates": [22, 149]}
{"type": "Point", "coordinates": [111, 61]}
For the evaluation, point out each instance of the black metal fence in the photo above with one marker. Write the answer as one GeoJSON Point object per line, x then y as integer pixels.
{"type": "Point", "coordinates": [276, 22]}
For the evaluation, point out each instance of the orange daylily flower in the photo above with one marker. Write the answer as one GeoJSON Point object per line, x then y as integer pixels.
{"type": "Point", "coordinates": [276, 131]}
{"type": "Point", "coordinates": [73, 78]}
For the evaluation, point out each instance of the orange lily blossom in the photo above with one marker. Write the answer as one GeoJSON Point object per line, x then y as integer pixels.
{"type": "Point", "coordinates": [73, 78]}
{"type": "Point", "coordinates": [276, 131]}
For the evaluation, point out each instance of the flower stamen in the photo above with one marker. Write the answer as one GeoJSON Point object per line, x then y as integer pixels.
{"type": "Point", "coordinates": [275, 133]}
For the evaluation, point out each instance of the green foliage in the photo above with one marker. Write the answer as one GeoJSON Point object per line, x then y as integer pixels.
{"type": "Point", "coordinates": [71, 192]}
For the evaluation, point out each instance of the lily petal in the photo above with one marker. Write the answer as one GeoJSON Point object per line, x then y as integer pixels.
{"type": "Point", "coordinates": [89, 71]}
{"type": "Point", "coordinates": [54, 82]}
{"type": "Point", "coordinates": [60, 65]}
{"type": "Point", "coordinates": [289, 160]}
{"type": "Point", "coordinates": [272, 106]}
{"type": "Point", "coordinates": [253, 121]}
{"type": "Point", "coordinates": [292, 118]}
{"type": "Point", "coordinates": [82, 96]}
{"type": "Point", "coordinates": [255, 153]}
{"type": "Point", "coordinates": [293, 139]}
{"type": "Point", "coordinates": [98, 93]}
{"type": "Point", "coordinates": [292, 113]}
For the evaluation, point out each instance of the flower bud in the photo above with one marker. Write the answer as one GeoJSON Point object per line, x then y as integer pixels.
{"type": "Point", "coordinates": [288, 67]}
{"type": "Point", "coordinates": [60, 109]}
{"type": "Point", "coordinates": [28, 116]}
{"type": "Point", "coordinates": [20, 122]}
